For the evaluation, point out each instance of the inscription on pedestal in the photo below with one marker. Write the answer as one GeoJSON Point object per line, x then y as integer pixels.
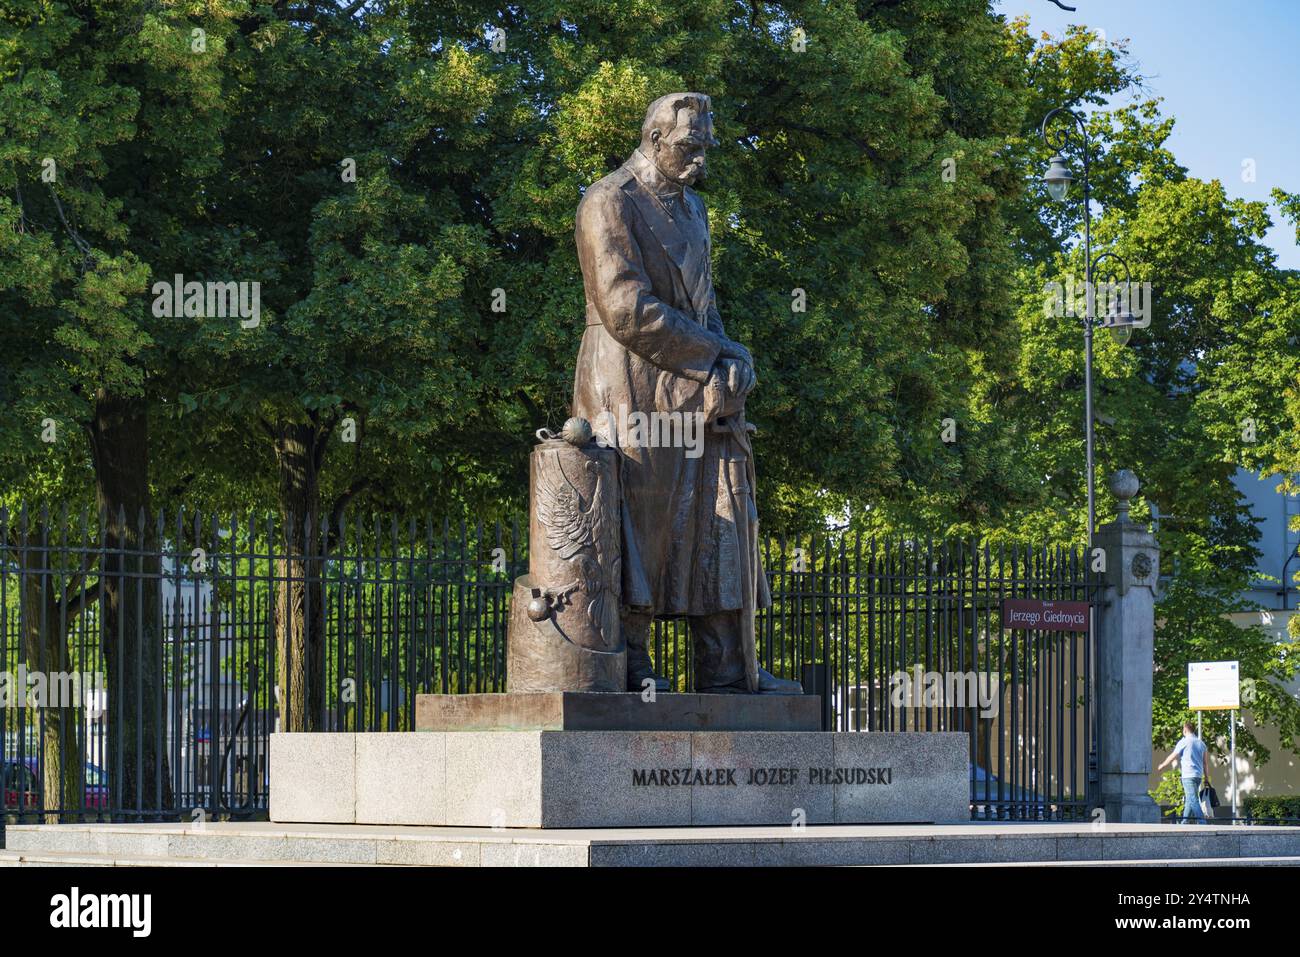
{"type": "Point", "coordinates": [757, 777]}
{"type": "Point", "coordinates": [574, 779]}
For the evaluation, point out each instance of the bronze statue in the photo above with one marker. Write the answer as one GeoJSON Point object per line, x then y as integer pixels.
{"type": "Point", "coordinates": [654, 349]}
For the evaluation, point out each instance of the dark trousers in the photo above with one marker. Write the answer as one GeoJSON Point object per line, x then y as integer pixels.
{"type": "Point", "coordinates": [719, 657]}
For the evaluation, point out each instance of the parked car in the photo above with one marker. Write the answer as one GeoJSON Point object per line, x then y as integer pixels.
{"type": "Point", "coordinates": [992, 799]}
{"type": "Point", "coordinates": [22, 785]}
{"type": "Point", "coordinates": [20, 788]}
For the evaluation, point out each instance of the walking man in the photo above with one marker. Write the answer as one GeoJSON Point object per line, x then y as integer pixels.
{"type": "Point", "coordinates": [1191, 750]}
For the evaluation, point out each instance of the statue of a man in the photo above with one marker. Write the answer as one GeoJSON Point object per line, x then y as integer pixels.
{"type": "Point", "coordinates": [654, 350]}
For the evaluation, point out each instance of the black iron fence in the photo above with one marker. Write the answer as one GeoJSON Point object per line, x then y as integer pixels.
{"type": "Point", "coordinates": [144, 661]}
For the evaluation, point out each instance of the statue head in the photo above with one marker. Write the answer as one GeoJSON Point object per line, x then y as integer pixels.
{"type": "Point", "coordinates": [678, 128]}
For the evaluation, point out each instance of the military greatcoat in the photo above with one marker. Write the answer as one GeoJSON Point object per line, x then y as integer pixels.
{"type": "Point", "coordinates": [651, 344]}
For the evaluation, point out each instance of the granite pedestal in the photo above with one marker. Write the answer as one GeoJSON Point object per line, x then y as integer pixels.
{"type": "Point", "coordinates": [579, 779]}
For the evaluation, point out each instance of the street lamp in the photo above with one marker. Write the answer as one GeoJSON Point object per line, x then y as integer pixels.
{"type": "Point", "coordinates": [1058, 178]}
{"type": "Point", "coordinates": [1120, 319]}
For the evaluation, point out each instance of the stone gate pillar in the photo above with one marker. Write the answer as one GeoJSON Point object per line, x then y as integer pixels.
{"type": "Point", "coordinates": [1125, 641]}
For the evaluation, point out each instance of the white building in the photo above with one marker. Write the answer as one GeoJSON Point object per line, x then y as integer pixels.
{"type": "Point", "coordinates": [1273, 596]}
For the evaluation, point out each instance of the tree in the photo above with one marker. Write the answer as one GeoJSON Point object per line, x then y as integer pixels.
{"type": "Point", "coordinates": [397, 181]}
{"type": "Point", "coordinates": [1172, 404]}
{"type": "Point", "coordinates": [109, 122]}
{"type": "Point", "coordinates": [434, 298]}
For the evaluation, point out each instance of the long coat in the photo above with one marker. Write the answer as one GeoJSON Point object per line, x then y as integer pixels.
{"type": "Point", "coordinates": [652, 337]}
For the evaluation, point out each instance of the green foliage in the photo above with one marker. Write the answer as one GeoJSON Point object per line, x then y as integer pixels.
{"type": "Point", "coordinates": [229, 160]}
{"type": "Point", "coordinates": [1262, 806]}
{"type": "Point", "coordinates": [1168, 794]}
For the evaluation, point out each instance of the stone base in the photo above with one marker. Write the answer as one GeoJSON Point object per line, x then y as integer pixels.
{"type": "Point", "coordinates": [1125, 799]}
{"type": "Point", "coordinates": [580, 779]}
{"type": "Point", "coordinates": [591, 711]}
{"type": "Point", "coordinates": [316, 845]}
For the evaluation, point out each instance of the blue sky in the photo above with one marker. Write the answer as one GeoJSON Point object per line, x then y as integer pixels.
{"type": "Point", "coordinates": [1228, 72]}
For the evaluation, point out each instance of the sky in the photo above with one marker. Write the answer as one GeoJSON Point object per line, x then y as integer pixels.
{"type": "Point", "coordinates": [1229, 73]}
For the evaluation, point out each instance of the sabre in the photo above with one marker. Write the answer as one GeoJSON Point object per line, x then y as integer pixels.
{"type": "Point", "coordinates": [738, 430]}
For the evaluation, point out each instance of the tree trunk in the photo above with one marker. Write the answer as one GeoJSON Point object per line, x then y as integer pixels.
{"type": "Point", "coordinates": [300, 619]}
{"type": "Point", "coordinates": [131, 635]}
{"type": "Point", "coordinates": [45, 650]}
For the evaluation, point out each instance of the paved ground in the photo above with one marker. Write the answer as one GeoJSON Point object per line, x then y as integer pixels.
{"type": "Point", "coordinates": [264, 843]}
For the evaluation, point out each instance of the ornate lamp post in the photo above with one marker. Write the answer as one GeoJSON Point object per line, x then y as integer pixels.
{"type": "Point", "coordinates": [1120, 321]}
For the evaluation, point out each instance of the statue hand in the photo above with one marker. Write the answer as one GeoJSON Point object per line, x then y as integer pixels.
{"type": "Point", "coordinates": [740, 377]}
{"type": "Point", "coordinates": [734, 350]}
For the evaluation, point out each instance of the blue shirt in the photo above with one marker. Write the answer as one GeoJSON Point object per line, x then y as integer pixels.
{"type": "Point", "coordinates": [1192, 750]}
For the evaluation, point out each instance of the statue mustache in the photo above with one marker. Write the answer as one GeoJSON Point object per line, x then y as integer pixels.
{"type": "Point", "coordinates": [694, 169]}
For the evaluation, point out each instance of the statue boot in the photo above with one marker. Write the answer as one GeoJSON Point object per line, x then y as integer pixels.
{"type": "Point", "coordinates": [768, 683]}
{"type": "Point", "coordinates": [636, 634]}
{"type": "Point", "coordinates": [720, 658]}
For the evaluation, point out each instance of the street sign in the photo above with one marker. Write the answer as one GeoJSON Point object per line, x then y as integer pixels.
{"type": "Point", "coordinates": [1044, 615]}
{"type": "Point", "coordinates": [1213, 686]}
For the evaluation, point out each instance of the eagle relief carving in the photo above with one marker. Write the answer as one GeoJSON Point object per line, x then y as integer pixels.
{"type": "Point", "coordinates": [580, 533]}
